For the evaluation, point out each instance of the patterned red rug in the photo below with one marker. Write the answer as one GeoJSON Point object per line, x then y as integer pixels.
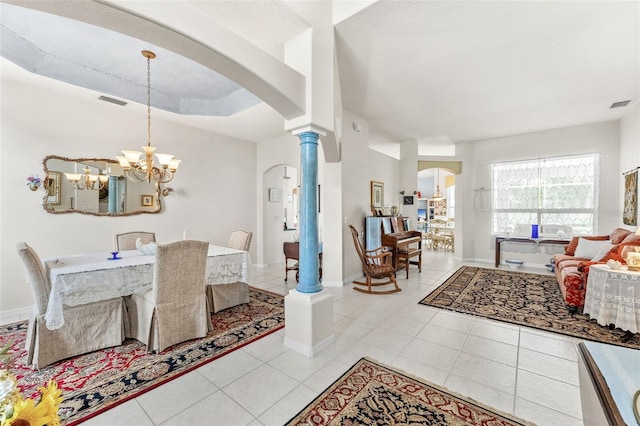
{"type": "Point", "coordinates": [95, 382]}
{"type": "Point", "coordinates": [372, 394]}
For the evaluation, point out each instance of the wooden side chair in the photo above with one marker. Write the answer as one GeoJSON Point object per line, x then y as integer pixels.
{"type": "Point", "coordinates": [376, 265]}
{"type": "Point", "coordinates": [291, 254]}
{"type": "Point", "coordinates": [405, 254]}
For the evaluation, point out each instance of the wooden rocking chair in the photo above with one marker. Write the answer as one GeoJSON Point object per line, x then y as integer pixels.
{"type": "Point", "coordinates": [376, 264]}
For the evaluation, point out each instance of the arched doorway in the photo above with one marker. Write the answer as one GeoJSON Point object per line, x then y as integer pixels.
{"type": "Point", "coordinates": [281, 210]}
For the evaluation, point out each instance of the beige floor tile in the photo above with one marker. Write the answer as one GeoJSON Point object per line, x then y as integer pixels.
{"type": "Point", "coordinates": [183, 392]}
{"type": "Point", "coordinates": [128, 413]}
{"type": "Point", "coordinates": [550, 393]}
{"type": "Point", "coordinates": [544, 416]}
{"type": "Point", "coordinates": [548, 365]}
{"type": "Point", "coordinates": [502, 401]}
{"type": "Point", "coordinates": [290, 405]}
{"type": "Point", "coordinates": [443, 336]}
{"type": "Point", "coordinates": [260, 389]}
{"type": "Point", "coordinates": [494, 374]}
{"type": "Point", "coordinates": [491, 349]}
{"type": "Point", "coordinates": [209, 411]}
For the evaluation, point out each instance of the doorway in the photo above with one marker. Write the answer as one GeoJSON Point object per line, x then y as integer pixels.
{"type": "Point", "coordinates": [281, 210]}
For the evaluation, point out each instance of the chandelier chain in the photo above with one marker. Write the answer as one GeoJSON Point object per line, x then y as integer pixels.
{"type": "Point", "coordinates": [149, 101]}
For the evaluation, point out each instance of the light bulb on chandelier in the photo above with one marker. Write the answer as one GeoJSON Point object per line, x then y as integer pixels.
{"type": "Point", "coordinates": [86, 180]}
{"type": "Point", "coordinates": [139, 166]}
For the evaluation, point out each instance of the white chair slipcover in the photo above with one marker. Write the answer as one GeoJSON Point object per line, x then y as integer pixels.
{"type": "Point", "coordinates": [88, 327]}
{"type": "Point", "coordinates": [175, 309]}
{"type": "Point", "coordinates": [240, 240]}
{"type": "Point", "coordinates": [127, 240]}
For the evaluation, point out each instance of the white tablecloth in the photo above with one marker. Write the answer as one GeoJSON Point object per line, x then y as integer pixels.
{"type": "Point", "coordinates": [76, 280]}
{"type": "Point", "coordinates": [613, 297]}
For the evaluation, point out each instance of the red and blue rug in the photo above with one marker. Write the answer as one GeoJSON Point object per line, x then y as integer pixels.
{"type": "Point", "coordinates": [97, 381]}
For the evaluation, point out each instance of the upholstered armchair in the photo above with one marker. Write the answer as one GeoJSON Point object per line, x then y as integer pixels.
{"type": "Point", "coordinates": [86, 328]}
{"type": "Point", "coordinates": [174, 310]}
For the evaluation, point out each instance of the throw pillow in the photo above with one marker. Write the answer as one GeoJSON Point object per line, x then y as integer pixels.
{"type": "Point", "coordinates": [570, 249]}
{"type": "Point", "coordinates": [618, 235]}
{"type": "Point", "coordinates": [587, 248]}
{"type": "Point", "coordinates": [604, 249]}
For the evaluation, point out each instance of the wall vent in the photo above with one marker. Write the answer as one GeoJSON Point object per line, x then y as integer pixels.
{"type": "Point", "coordinates": [112, 100]}
{"type": "Point", "coordinates": [620, 104]}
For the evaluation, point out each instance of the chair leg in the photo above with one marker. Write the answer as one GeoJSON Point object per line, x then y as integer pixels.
{"type": "Point", "coordinates": [369, 283]}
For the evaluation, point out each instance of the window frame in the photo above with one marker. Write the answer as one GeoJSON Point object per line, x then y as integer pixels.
{"type": "Point", "coordinates": [540, 211]}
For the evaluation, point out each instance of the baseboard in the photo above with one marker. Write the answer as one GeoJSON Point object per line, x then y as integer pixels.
{"type": "Point", "coordinates": [14, 315]}
{"type": "Point", "coordinates": [309, 351]}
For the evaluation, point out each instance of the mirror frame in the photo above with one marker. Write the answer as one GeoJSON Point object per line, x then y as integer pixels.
{"type": "Point", "coordinates": [51, 210]}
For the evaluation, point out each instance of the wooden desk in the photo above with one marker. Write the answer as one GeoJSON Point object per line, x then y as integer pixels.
{"type": "Point", "coordinates": [499, 240]}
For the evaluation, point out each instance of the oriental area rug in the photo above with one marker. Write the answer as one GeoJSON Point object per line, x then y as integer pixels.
{"type": "Point", "coordinates": [522, 298]}
{"type": "Point", "coordinates": [95, 382]}
{"type": "Point", "coordinates": [373, 394]}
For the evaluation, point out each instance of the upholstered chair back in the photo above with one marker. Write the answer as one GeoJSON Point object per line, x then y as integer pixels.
{"type": "Point", "coordinates": [179, 272]}
{"type": "Point", "coordinates": [36, 276]}
{"type": "Point", "coordinates": [240, 240]}
{"type": "Point", "coordinates": [127, 240]}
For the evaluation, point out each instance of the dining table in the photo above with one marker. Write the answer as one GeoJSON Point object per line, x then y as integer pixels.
{"type": "Point", "coordinates": [87, 278]}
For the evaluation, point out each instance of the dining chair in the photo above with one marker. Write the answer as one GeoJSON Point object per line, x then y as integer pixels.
{"type": "Point", "coordinates": [127, 240]}
{"type": "Point", "coordinates": [174, 310]}
{"type": "Point", "coordinates": [376, 265]}
{"type": "Point", "coordinates": [223, 296]}
{"type": "Point", "coordinates": [240, 240]}
{"type": "Point", "coordinates": [87, 327]}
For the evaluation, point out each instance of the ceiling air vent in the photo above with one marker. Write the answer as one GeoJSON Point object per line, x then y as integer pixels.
{"type": "Point", "coordinates": [112, 100]}
{"type": "Point", "coordinates": [620, 104]}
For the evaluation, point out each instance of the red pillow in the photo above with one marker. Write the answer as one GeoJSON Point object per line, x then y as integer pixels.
{"type": "Point", "coordinates": [570, 249]}
{"type": "Point", "coordinates": [618, 235]}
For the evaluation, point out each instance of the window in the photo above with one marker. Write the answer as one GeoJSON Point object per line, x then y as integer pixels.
{"type": "Point", "coordinates": [561, 194]}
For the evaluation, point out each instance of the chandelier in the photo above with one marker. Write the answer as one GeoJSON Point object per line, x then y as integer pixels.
{"type": "Point", "coordinates": [438, 194]}
{"type": "Point", "coordinates": [86, 180]}
{"type": "Point", "coordinates": [141, 166]}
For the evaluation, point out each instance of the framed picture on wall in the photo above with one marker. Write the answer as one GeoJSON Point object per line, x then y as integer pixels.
{"type": "Point", "coordinates": [377, 195]}
{"type": "Point", "coordinates": [52, 186]}
{"type": "Point", "coordinates": [274, 195]}
{"type": "Point", "coordinates": [146, 200]}
{"type": "Point", "coordinates": [407, 200]}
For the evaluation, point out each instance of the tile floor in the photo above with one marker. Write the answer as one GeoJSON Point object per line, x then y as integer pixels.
{"type": "Point", "coordinates": [529, 373]}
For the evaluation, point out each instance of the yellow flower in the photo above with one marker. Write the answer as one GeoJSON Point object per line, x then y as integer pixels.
{"type": "Point", "coordinates": [26, 412]}
{"type": "Point", "coordinates": [51, 399]}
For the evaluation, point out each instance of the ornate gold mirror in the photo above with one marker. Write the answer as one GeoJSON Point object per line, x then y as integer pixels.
{"type": "Point", "coordinates": [95, 186]}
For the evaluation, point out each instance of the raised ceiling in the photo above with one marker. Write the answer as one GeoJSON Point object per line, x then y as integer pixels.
{"type": "Point", "coordinates": [439, 72]}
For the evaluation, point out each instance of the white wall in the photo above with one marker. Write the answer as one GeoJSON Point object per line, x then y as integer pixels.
{"type": "Point", "coordinates": [215, 185]}
{"type": "Point", "coordinates": [478, 157]}
{"type": "Point", "coordinates": [361, 165]}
